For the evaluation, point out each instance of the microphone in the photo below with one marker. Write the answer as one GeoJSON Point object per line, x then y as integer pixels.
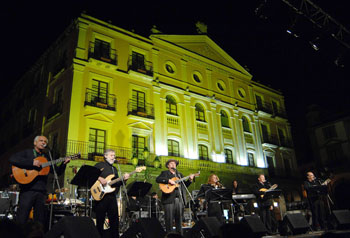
{"type": "Point", "coordinates": [173, 169]}
{"type": "Point", "coordinates": [46, 146]}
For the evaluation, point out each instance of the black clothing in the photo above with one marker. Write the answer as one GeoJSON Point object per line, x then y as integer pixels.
{"type": "Point", "coordinates": [213, 208]}
{"type": "Point", "coordinates": [173, 203]}
{"type": "Point", "coordinates": [315, 192]}
{"type": "Point", "coordinates": [32, 194]}
{"type": "Point", "coordinates": [108, 204]}
{"type": "Point", "coordinates": [264, 204]}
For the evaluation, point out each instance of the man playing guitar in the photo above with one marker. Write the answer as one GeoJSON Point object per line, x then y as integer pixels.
{"type": "Point", "coordinates": [33, 194]}
{"type": "Point", "coordinates": [173, 202]}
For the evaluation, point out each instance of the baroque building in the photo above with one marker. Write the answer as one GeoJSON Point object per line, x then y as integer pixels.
{"type": "Point", "coordinates": [149, 99]}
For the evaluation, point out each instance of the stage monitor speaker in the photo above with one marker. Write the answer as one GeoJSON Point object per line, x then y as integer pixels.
{"type": "Point", "coordinates": [295, 223]}
{"type": "Point", "coordinates": [253, 226]}
{"type": "Point", "coordinates": [341, 219]}
{"type": "Point", "coordinates": [73, 227]}
{"type": "Point", "coordinates": [207, 227]}
{"type": "Point", "coordinates": [146, 227]}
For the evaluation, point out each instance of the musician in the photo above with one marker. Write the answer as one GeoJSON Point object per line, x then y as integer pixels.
{"type": "Point", "coordinates": [108, 204]}
{"type": "Point", "coordinates": [33, 194]}
{"type": "Point", "coordinates": [265, 204]}
{"type": "Point", "coordinates": [314, 189]}
{"type": "Point", "coordinates": [235, 188]}
{"type": "Point", "coordinates": [174, 202]}
{"type": "Point", "coordinates": [213, 208]}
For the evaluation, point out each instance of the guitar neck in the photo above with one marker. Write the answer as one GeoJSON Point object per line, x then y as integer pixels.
{"type": "Point", "coordinates": [49, 163]}
{"type": "Point", "coordinates": [184, 178]}
{"type": "Point", "coordinates": [119, 179]}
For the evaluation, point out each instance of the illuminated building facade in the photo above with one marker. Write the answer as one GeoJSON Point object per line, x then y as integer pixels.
{"type": "Point", "coordinates": [151, 99]}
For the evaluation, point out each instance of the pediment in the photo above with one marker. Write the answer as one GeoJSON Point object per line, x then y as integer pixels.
{"type": "Point", "coordinates": [99, 117]}
{"type": "Point", "coordinates": [204, 46]}
{"type": "Point", "coordinates": [140, 125]}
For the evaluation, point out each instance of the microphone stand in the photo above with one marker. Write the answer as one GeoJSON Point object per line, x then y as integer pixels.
{"type": "Point", "coordinates": [53, 187]}
{"type": "Point", "coordinates": [121, 195]}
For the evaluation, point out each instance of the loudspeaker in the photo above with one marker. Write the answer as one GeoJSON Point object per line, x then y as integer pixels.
{"type": "Point", "coordinates": [342, 219]}
{"type": "Point", "coordinates": [147, 227]}
{"type": "Point", "coordinates": [253, 226]}
{"type": "Point", "coordinates": [208, 227]}
{"type": "Point", "coordinates": [296, 223]}
{"type": "Point", "coordinates": [73, 227]}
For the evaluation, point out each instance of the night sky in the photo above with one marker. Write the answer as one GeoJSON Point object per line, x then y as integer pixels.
{"type": "Point", "coordinates": [273, 57]}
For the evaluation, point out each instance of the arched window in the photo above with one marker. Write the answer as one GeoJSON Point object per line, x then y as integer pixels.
{"type": "Point", "coordinates": [224, 119]}
{"type": "Point", "coordinates": [199, 113]}
{"type": "Point", "coordinates": [173, 148]}
{"type": "Point", "coordinates": [245, 123]}
{"type": "Point", "coordinates": [203, 152]}
{"type": "Point", "coordinates": [228, 156]}
{"type": "Point", "coordinates": [171, 107]}
{"type": "Point", "coordinates": [250, 159]}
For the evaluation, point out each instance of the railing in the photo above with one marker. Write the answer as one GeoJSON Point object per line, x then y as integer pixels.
{"type": "Point", "coordinates": [145, 67]}
{"type": "Point", "coordinates": [265, 107]}
{"type": "Point", "coordinates": [95, 54]}
{"type": "Point", "coordinates": [146, 110]}
{"type": "Point", "coordinates": [268, 108]}
{"type": "Point", "coordinates": [93, 100]}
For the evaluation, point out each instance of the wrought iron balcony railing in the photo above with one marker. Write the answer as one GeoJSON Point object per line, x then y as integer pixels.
{"type": "Point", "coordinates": [109, 57]}
{"type": "Point", "coordinates": [268, 108]}
{"type": "Point", "coordinates": [145, 67]}
{"type": "Point", "coordinates": [140, 109]}
{"type": "Point", "coordinates": [92, 99]}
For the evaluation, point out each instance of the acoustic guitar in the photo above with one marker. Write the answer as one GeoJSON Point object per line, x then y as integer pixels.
{"type": "Point", "coordinates": [273, 187]}
{"type": "Point", "coordinates": [98, 191]}
{"type": "Point", "coordinates": [25, 176]}
{"type": "Point", "coordinates": [168, 188]}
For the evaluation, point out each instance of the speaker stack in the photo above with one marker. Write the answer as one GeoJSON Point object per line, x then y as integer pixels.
{"type": "Point", "coordinates": [341, 219]}
{"type": "Point", "coordinates": [145, 228]}
{"type": "Point", "coordinates": [294, 223]}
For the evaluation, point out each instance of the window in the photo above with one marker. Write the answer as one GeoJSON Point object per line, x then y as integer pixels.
{"type": "Point", "coordinates": [275, 107]}
{"type": "Point", "coordinates": [99, 92]}
{"type": "Point", "coordinates": [259, 103]}
{"type": "Point", "coordinates": [251, 160]}
{"type": "Point", "coordinates": [199, 113]}
{"type": "Point", "coordinates": [245, 123]}
{"type": "Point", "coordinates": [281, 136]}
{"type": "Point", "coordinates": [138, 61]}
{"type": "Point", "coordinates": [170, 67]}
{"type": "Point", "coordinates": [241, 92]}
{"type": "Point", "coordinates": [287, 167]}
{"type": "Point", "coordinates": [329, 132]}
{"type": "Point", "coordinates": [224, 119]}
{"type": "Point", "coordinates": [97, 141]}
{"type": "Point", "coordinates": [173, 148]}
{"type": "Point", "coordinates": [203, 152]}
{"type": "Point", "coordinates": [138, 146]}
{"type": "Point", "coordinates": [197, 77]}
{"type": "Point", "coordinates": [171, 107]}
{"type": "Point", "coordinates": [102, 49]}
{"type": "Point", "coordinates": [265, 133]}
{"type": "Point", "coordinates": [228, 156]}
{"type": "Point", "coordinates": [270, 166]}
{"type": "Point", "coordinates": [138, 101]}
{"type": "Point", "coordinates": [221, 85]}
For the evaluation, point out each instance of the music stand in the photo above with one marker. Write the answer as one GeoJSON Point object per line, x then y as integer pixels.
{"type": "Point", "coordinates": [272, 194]}
{"type": "Point", "coordinates": [139, 189]}
{"type": "Point", "coordinates": [219, 196]}
{"type": "Point", "coordinates": [86, 177]}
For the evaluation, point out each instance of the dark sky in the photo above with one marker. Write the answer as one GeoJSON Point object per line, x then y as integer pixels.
{"type": "Point", "coordinates": [273, 57]}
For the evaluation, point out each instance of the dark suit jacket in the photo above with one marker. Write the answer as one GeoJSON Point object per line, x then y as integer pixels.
{"type": "Point", "coordinates": [169, 197]}
{"type": "Point", "coordinates": [262, 202]}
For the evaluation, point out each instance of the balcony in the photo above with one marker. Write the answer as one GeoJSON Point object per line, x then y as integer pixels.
{"type": "Point", "coordinates": [286, 143]}
{"type": "Point", "coordinates": [54, 110]}
{"type": "Point", "coordinates": [145, 110]}
{"type": "Point", "coordinates": [110, 57]}
{"type": "Point", "coordinates": [270, 139]}
{"type": "Point", "coordinates": [270, 109]}
{"type": "Point", "coordinates": [124, 155]}
{"type": "Point", "coordinates": [108, 103]}
{"type": "Point", "coordinates": [143, 67]}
